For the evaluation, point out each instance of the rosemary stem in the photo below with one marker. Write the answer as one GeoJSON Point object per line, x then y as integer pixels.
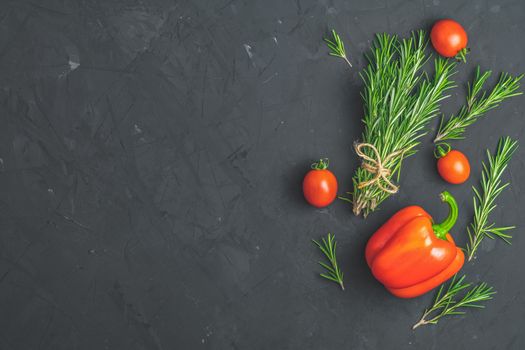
{"type": "Point", "coordinates": [421, 322]}
{"type": "Point", "coordinates": [471, 252]}
{"type": "Point", "coordinates": [347, 61]}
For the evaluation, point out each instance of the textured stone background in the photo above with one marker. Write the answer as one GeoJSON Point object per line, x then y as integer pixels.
{"type": "Point", "coordinates": [151, 158]}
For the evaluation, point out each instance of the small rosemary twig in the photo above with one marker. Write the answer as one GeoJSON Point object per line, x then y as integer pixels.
{"type": "Point", "coordinates": [484, 199]}
{"type": "Point", "coordinates": [328, 247]}
{"type": "Point", "coordinates": [446, 303]}
{"type": "Point", "coordinates": [478, 103]}
{"type": "Point", "coordinates": [337, 47]}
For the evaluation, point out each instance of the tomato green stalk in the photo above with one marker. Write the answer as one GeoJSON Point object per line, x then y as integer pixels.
{"type": "Point", "coordinates": [322, 164]}
{"type": "Point", "coordinates": [442, 150]}
{"type": "Point", "coordinates": [462, 55]}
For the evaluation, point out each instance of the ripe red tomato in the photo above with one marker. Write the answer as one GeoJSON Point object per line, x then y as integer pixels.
{"type": "Point", "coordinates": [449, 39]}
{"type": "Point", "coordinates": [453, 166]}
{"type": "Point", "coordinates": [320, 185]}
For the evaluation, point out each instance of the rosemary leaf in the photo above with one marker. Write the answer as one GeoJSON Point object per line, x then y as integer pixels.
{"type": "Point", "coordinates": [484, 198]}
{"type": "Point", "coordinates": [328, 247]}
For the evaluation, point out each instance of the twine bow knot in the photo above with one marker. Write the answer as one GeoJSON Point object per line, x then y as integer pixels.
{"type": "Point", "coordinates": [377, 167]}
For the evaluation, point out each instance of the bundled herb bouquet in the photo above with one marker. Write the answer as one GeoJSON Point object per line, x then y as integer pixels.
{"type": "Point", "coordinates": [399, 100]}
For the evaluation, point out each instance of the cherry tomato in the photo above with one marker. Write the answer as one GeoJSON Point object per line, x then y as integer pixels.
{"type": "Point", "coordinates": [320, 185]}
{"type": "Point", "coordinates": [453, 166]}
{"type": "Point", "coordinates": [449, 39]}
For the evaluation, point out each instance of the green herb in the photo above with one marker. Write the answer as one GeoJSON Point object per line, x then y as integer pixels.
{"type": "Point", "coordinates": [447, 304]}
{"type": "Point", "coordinates": [399, 102]}
{"type": "Point", "coordinates": [328, 247]}
{"type": "Point", "coordinates": [484, 199]}
{"type": "Point", "coordinates": [337, 47]}
{"type": "Point", "coordinates": [478, 103]}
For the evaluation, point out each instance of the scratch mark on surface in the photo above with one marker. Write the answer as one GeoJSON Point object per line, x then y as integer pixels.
{"type": "Point", "coordinates": [262, 281]}
{"type": "Point", "coordinates": [41, 108]}
{"type": "Point", "coordinates": [134, 316]}
{"type": "Point", "coordinates": [48, 9]}
{"type": "Point", "coordinates": [297, 26]}
{"type": "Point", "coordinates": [4, 276]}
{"type": "Point", "coordinates": [266, 66]}
{"type": "Point", "coordinates": [74, 221]}
{"type": "Point", "coordinates": [299, 8]}
{"type": "Point", "coordinates": [215, 181]}
{"type": "Point", "coordinates": [270, 78]}
{"type": "Point", "coordinates": [279, 125]}
{"type": "Point", "coordinates": [248, 50]}
{"type": "Point", "coordinates": [225, 5]}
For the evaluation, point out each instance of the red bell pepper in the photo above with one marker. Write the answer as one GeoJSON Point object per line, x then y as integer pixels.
{"type": "Point", "coordinates": [410, 255]}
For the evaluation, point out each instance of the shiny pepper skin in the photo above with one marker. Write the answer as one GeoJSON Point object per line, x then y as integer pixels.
{"type": "Point", "coordinates": [410, 255]}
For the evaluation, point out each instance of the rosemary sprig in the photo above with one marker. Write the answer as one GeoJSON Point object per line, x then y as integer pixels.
{"type": "Point", "coordinates": [484, 199]}
{"type": "Point", "coordinates": [399, 102]}
{"type": "Point", "coordinates": [447, 304]}
{"type": "Point", "coordinates": [337, 47]}
{"type": "Point", "coordinates": [478, 103]}
{"type": "Point", "coordinates": [328, 247]}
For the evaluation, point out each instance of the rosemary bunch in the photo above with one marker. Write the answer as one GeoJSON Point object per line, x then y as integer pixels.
{"type": "Point", "coordinates": [399, 101]}
{"type": "Point", "coordinates": [484, 198]}
{"type": "Point", "coordinates": [478, 103]}
{"type": "Point", "coordinates": [446, 303]}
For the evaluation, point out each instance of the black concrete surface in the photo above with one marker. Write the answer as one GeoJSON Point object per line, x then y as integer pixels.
{"type": "Point", "coordinates": [151, 158]}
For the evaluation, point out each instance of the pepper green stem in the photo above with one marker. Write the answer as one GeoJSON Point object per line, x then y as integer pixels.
{"type": "Point", "coordinates": [443, 228]}
{"type": "Point", "coordinates": [322, 164]}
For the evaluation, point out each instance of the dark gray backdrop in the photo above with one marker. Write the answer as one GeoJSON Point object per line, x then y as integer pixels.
{"type": "Point", "coordinates": [151, 158]}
